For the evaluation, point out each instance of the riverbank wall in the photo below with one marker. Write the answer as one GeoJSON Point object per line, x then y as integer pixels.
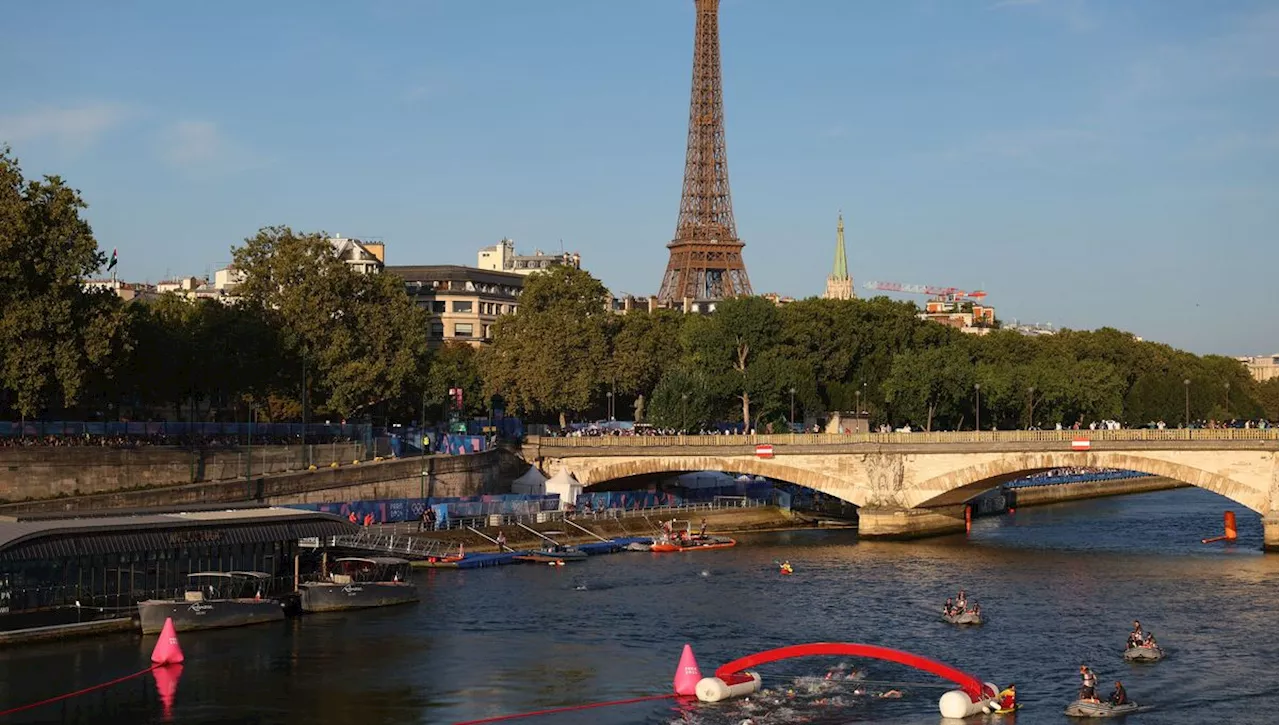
{"type": "Point", "coordinates": [1022, 496]}
{"type": "Point", "coordinates": [756, 519]}
{"type": "Point", "coordinates": [441, 475]}
{"type": "Point", "coordinates": [44, 472]}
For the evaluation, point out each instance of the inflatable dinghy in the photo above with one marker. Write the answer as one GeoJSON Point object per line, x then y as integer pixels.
{"type": "Point", "coordinates": [1143, 654]}
{"type": "Point", "coordinates": [963, 618]}
{"type": "Point", "coordinates": [1094, 708]}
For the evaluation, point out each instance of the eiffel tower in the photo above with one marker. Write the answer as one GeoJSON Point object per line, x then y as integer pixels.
{"type": "Point", "coordinates": [706, 254]}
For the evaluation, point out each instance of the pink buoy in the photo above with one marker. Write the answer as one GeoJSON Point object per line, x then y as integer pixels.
{"type": "Point", "coordinates": [687, 673]}
{"type": "Point", "coordinates": [167, 651]}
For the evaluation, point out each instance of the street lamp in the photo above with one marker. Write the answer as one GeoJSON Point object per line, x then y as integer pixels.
{"type": "Point", "coordinates": [1186, 403]}
{"type": "Point", "coordinates": [684, 404]}
{"type": "Point", "coordinates": [422, 440]}
{"type": "Point", "coordinates": [1227, 410]}
{"type": "Point", "coordinates": [609, 399]}
{"type": "Point", "coordinates": [792, 420]}
{"type": "Point", "coordinates": [1031, 396]}
{"type": "Point", "coordinates": [977, 406]}
{"type": "Point", "coordinates": [859, 403]}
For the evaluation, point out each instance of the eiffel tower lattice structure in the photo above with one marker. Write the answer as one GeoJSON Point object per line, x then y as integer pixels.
{"type": "Point", "coordinates": [706, 254]}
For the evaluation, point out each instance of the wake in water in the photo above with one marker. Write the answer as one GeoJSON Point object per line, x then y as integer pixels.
{"type": "Point", "coordinates": [827, 698]}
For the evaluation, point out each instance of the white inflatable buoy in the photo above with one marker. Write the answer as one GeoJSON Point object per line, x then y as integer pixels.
{"type": "Point", "coordinates": [714, 689]}
{"type": "Point", "coordinates": [958, 705]}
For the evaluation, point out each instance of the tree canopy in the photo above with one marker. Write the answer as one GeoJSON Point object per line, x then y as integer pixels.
{"type": "Point", "coordinates": [53, 330]}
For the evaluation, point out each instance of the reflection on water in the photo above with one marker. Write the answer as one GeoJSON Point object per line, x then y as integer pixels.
{"type": "Point", "coordinates": [1060, 587]}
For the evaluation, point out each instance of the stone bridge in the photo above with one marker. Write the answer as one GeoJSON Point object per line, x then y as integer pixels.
{"type": "Point", "coordinates": [915, 484]}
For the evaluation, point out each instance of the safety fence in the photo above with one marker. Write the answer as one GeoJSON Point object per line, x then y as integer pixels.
{"type": "Point", "coordinates": [542, 517]}
{"type": "Point", "coordinates": [446, 509]}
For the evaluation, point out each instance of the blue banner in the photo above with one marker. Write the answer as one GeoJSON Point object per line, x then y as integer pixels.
{"type": "Point", "coordinates": [394, 510]}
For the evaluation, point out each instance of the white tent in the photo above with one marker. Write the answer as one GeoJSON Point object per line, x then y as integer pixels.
{"type": "Point", "coordinates": [530, 482]}
{"type": "Point", "coordinates": [566, 485]}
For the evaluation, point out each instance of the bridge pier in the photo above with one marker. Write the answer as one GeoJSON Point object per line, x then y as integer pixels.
{"type": "Point", "coordinates": [904, 523]}
{"type": "Point", "coordinates": [1271, 532]}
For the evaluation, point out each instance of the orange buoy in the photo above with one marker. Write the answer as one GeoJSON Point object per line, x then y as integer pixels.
{"type": "Point", "coordinates": [1228, 526]}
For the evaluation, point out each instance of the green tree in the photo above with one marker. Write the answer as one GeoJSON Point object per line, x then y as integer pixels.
{"type": "Point", "coordinates": [933, 385]}
{"type": "Point", "coordinates": [1267, 395]}
{"type": "Point", "coordinates": [456, 365]}
{"type": "Point", "coordinates": [360, 335]}
{"type": "Point", "coordinates": [684, 399]}
{"type": "Point", "coordinates": [730, 341]}
{"type": "Point", "coordinates": [643, 346]}
{"type": "Point", "coordinates": [52, 330]}
{"type": "Point", "coordinates": [546, 359]}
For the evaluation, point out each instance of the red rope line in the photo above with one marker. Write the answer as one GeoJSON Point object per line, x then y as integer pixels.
{"type": "Point", "coordinates": [77, 693]}
{"type": "Point", "coordinates": [554, 710]}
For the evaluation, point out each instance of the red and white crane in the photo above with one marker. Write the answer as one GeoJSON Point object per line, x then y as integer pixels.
{"type": "Point", "coordinates": [947, 294]}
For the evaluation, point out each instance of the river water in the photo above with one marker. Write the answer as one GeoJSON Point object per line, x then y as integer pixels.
{"type": "Point", "coordinates": [1060, 586]}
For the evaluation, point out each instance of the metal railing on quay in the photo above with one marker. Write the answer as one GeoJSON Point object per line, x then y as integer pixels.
{"type": "Point", "coordinates": [999, 436]}
{"type": "Point", "coordinates": [403, 529]}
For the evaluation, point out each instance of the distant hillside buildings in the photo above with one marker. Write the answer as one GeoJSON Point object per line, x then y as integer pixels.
{"type": "Point", "coordinates": [1262, 367]}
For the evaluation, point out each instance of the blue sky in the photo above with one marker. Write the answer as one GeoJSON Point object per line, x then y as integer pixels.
{"type": "Point", "coordinates": [1086, 163]}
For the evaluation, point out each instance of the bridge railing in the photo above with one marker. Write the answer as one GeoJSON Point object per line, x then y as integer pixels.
{"type": "Point", "coordinates": [985, 436]}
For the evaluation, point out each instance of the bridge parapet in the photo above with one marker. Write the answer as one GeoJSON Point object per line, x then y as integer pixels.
{"type": "Point", "coordinates": [1143, 435]}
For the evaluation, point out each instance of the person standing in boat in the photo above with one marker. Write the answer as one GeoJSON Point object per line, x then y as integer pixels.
{"type": "Point", "coordinates": [502, 541]}
{"type": "Point", "coordinates": [1136, 636]}
{"type": "Point", "coordinates": [702, 530]}
{"type": "Point", "coordinates": [1088, 684]}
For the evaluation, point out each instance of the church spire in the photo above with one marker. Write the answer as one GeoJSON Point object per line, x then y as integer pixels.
{"type": "Point", "coordinates": [839, 284]}
{"type": "Point", "coordinates": [840, 270]}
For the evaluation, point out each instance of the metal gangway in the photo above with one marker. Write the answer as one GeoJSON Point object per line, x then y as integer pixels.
{"type": "Point", "coordinates": [412, 547]}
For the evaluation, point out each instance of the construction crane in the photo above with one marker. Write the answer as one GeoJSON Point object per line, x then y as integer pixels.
{"type": "Point", "coordinates": [946, 294]}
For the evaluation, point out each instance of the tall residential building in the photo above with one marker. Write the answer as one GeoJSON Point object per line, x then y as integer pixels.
{"type": "Point", "coordinates": [464, 302]}
{"type": "Point", "coordinates": [840, 284]}
{"type": "Point", "coordinates": [502, 257]}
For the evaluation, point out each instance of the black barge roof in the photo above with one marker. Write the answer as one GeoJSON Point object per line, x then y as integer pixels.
{"type": "Point", "coordinates": [44, 538]}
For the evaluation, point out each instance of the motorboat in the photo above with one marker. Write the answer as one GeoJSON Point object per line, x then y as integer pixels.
{"type": "Point", "coordinates": [967, 617]}
{"type": "Point", "coordinates": [360, 583]}
{"type": "Point", "coordinates": [553, 554]}
{"type": "Point", "coordinates": [1099, 708]}
{"type": "Point", "coordinates": [214, 599]}
{"type": "Point", "coordinates": [668, 544]}
{"type": "Point", "coordinates": [1144, 653]}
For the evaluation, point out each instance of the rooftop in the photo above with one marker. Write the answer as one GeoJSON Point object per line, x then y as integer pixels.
{"type": "Point", "coordinates": [447, 272]}
{"type": "Point", "coordinates": [15, 531]}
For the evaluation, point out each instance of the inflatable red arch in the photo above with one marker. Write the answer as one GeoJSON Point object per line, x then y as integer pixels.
{"type": "Point", "coordinates": [970, 684]}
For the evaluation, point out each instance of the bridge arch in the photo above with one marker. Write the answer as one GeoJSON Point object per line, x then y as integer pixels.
{"type": "Point", "coordinates": [960, 485]}
{"type": "Point", "coordinates": [970, 684]}
{"type": "Point", "coordinates": [769, 468]}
